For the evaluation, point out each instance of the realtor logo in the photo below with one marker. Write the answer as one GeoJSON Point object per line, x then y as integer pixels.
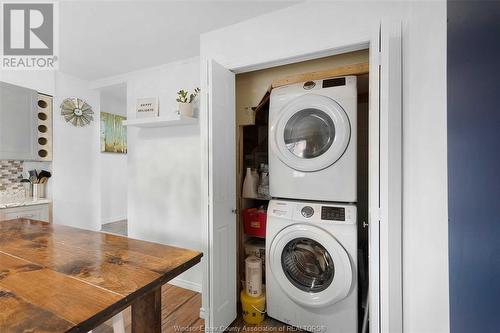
{"type": "Point", "coordinates": [28, 36]}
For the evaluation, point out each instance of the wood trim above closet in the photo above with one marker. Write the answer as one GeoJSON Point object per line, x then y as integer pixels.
{"type": "Point", "coordinates": [354, 69]}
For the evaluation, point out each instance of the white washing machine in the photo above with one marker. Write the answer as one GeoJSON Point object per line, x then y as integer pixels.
{"type": "Point", "coordinates": [311, 265]}
{"type": "Point", "coordinates": [312, 140]}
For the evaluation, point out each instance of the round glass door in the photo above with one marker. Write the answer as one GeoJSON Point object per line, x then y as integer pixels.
{"type": "Point", "coordinates": [310, 265]}
{"type": "Point", "coordinates": [309, 133]}
{"type": "Point", "coordinates": [307, 265]}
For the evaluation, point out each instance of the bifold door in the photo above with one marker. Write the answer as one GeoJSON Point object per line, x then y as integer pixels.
{"type": "Point", "coordinates": [385, 180]}
{"type": "Point", "coordinates": [222, 197]}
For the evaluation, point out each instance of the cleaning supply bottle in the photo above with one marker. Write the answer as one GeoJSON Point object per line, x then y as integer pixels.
{"type": "Point", "coordinates": [253, 276]}
{"type": "Point", "coordinates": [249, 185]}
{"type": "Point", "coordinates": [263, 189]}
{"type": "Point", "coordinates": [256, 178]}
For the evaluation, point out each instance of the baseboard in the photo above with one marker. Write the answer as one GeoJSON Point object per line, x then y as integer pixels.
{"type": "Point", "coordinates": [203, 314]}
{"type": "Point", "coordinates": [113, 219]}
{"type": "Point", "coordinates": [178, 282]}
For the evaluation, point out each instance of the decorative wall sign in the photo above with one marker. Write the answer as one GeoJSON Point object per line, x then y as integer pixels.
{"type": "Point", "coordinates": [113, 133]}
{"type": "Point", "coordinates": [76, 111]}
{"type": "Point", "coordinates": [147, 107]}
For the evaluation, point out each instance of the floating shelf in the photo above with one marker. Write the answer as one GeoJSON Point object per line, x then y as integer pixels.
{"type": "Point", "coordinates": [160, 122]}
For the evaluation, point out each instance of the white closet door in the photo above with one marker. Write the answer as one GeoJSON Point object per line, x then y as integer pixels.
{"type": "Point", "coordinates": [386, 294]}
{"type": "Point", "coordinates": [222, 197]}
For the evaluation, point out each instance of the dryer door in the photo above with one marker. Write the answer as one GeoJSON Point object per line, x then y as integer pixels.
{"type": "Point", "coordinates": [311, 266]}
{"type": "Point", "coordinates": [312, 133]}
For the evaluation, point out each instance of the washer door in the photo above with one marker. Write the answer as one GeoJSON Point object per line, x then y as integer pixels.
{"type": "Point", "coordinates": [311, 133]}
{"type": "Point", "coordinates": [310, 266]}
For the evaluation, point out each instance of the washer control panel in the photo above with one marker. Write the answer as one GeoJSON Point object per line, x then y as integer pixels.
{"type": "Point", "coordinates": [313, 212]}
{"type": "Point", "coordinates": [332, 213]}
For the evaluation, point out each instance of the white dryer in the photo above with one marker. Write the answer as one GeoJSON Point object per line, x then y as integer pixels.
{"type": "Point", "coordinates": [312, 140]}
{"type": "Point", "coordinates": [311, 265]}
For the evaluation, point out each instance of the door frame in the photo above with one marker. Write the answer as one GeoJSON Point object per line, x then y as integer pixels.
{"type": "Point", "coordinates": [385, 167]}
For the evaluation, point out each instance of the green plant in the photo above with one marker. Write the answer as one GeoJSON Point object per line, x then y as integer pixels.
{"type": "Point", "coordinates": [183, 96]}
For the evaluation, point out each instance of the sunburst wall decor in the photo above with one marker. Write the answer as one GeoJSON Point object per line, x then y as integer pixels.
{"type": "Point", "coordinates": [76, 111]}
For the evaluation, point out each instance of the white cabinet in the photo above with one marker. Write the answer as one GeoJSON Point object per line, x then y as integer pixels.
{"type": "Point", "coordinates": [34, 212]}
{"type": "Point", "coordinates": [18, 122]}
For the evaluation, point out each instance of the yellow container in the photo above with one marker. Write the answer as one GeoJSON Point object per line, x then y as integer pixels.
{"type": "Point", "coordinates": [254, 308]}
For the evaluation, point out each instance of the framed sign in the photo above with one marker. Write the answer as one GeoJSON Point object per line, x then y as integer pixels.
{"type": "Point", "coordinates": [147, 107]}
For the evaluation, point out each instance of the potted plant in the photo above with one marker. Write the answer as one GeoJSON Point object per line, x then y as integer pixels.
{"type": "Point", "coordinates": [185, 100]}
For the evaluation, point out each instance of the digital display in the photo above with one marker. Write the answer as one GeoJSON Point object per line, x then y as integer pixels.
{"type": "Point", "coordinates": [339, 81]}
{"type": "Point", "coordinates": [333, 213]}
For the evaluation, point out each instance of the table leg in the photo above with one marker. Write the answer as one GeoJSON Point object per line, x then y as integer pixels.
{"type": "Point", "coordinates": [146, 313]}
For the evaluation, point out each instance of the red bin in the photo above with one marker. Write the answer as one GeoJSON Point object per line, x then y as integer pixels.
{"type": "Point", "coordinates": [254, 221]}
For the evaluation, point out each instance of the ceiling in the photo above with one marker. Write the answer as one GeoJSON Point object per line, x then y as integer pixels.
{"type": "Point", "coordinates": [105, 38]}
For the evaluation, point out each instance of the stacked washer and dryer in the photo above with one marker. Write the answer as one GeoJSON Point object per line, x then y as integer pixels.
{"type": "Point", "coordinates": [311, 235]}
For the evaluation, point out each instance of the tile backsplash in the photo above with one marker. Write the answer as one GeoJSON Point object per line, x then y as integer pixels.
{"type": "Point", "coordinates": [11, 173]}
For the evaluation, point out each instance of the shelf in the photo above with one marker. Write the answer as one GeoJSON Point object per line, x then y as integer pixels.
{"type": "Point", "coordinates": [256, 237]}
{"type": "Point", "coordinates": [257, 198]}
{"type": "Point", "coordinates": [160, 122]}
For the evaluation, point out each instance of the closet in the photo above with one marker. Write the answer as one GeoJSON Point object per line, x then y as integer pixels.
{"type": "Point", "coordinates": [252, 127]}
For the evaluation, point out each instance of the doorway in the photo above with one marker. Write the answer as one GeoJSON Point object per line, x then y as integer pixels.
{"type": "Point", "coordinates": [113, 161]}
{"type": "Point", "coordinates": [253, 90]}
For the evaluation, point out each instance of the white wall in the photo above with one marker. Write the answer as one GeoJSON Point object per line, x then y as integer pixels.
{"type": "Point", "coordinates": [329, 25]}
{"type": "Point", "coordinates": [75, 182]}
{"type": "Point", "coordinates": [425, 186]}
{"type": "Point", "coordinates": [164, 164]}
{"type": "Point", "coordinates": [74, 186]}
{"type": "Point", "coordinates": [113, 166]}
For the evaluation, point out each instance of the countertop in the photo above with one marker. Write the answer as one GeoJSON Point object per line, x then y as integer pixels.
{"type": "Point", "coordinates": [10, 203]}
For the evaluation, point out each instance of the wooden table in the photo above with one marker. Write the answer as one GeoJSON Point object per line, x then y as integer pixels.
{"type": "Point", "coordinates": [55, 278]}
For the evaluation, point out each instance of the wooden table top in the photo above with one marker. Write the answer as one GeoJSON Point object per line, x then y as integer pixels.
{"type": "Point", "coordinates": [55, 278]}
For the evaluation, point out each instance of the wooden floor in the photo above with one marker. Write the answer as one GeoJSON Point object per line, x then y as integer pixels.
{"type": "Point", "coordinates": [180, 312]}
{"type": "Point", "coordinates": [181, 307]}
{"type": "Point", "coordinates": [268, 325]}
{"type": "Point", "coordinates": [117, 228]}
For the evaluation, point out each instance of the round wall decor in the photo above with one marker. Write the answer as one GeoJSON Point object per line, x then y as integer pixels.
{"type": "Point", "coordinates": [76, 111]}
